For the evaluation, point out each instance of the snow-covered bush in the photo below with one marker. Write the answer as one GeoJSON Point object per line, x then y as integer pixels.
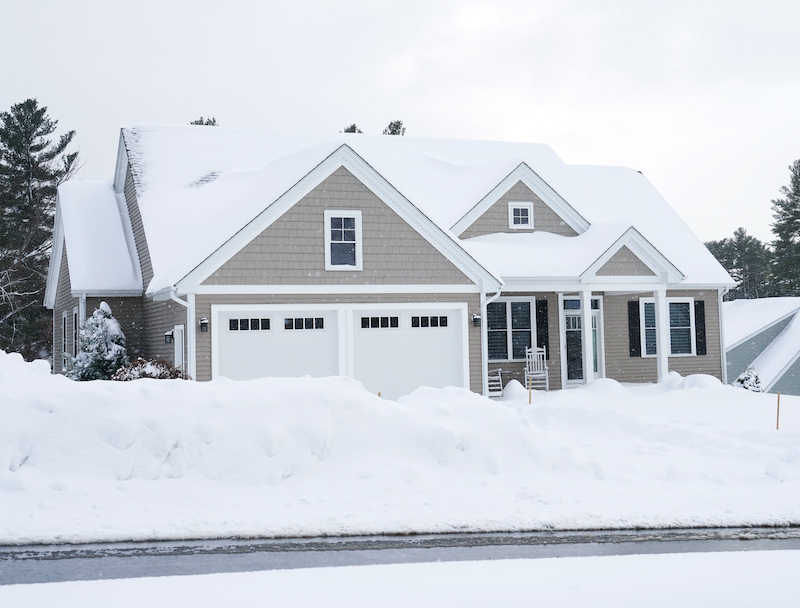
{"type": "Point", "coordinates": [101, 347]}
{"type": "Point", "coordinates": [749, 379]}
{"type": "Point", "coordinates": [144, 368]}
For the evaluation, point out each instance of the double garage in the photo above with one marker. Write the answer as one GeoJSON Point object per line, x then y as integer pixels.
{"type": "Point", "coordinates": [391, 348]}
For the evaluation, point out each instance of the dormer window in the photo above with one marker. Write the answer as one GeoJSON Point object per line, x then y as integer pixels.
{"type": "Point", "coordinates": [520, 216]}
{"type": "Point", "coordinates": [343, 240]}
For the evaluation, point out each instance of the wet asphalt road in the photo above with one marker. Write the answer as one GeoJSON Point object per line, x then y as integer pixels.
{"type": "Point", "coordinates": [51, 563]}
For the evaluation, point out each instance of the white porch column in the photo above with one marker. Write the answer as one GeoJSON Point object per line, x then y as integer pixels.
{"type": "Point", "coordinates": [191, 337]}
{"type": "Point", "coordinates": [663, 345]}
{"type": "Point", "coordinates": [586, 336]}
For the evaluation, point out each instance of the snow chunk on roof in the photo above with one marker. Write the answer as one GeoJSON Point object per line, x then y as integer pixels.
{"type": "Point", "coordinates": [99, 243]}
{"type": "Point", "coordinates": [743, 318]}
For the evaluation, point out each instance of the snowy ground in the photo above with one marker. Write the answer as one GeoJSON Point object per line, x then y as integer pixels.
{"type": "Point", "coordinates": [742, 579]}
{"type": "Point", "coordinates": [170, 459]}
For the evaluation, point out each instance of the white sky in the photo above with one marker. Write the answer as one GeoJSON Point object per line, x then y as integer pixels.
{"type": "Point", "coordinates": [701, 96]}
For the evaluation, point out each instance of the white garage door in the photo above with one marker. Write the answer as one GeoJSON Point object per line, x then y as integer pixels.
{"type": "Point", "coordinates": [284, 343]}
{"type": "Point", "coordinates": [397, 351]}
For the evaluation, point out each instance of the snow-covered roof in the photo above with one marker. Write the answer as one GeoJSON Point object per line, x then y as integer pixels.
{"type": "Point", "coordinates": [208, 182]}
{"type": "Point", "coordinates": [100, 254]}
{"type": "Point", "coordinates": [779, 355]}
{"type": "Point", "coordinates": [745, 318]}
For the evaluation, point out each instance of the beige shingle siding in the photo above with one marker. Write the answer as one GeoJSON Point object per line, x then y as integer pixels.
{"type": "Point", "coordinates": [128, 312]}
{"type": "Point", "coordinates": [204, 303]}
{"type": "Point", "coordinates": [159, 318]}
{"type": "Point", "coordinates": [64, 301]}
{"type": "Point", "coordinates": [624, 368]}
{"type": "Point", "coordinates": [292, 250]}
{"type": "Point", "coordinates": [495, 219]}
{"type": "Point", "coordinates": [625, 263]}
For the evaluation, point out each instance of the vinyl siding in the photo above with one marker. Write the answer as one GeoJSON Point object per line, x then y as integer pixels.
{"type": "Point", "coordinates": [622, 367]}
{"type": "Point", "coordinates": [64, 301]}
{"type": "Point", "coordinates": [292, 250]}
{"type": "Point", "coordinates": [625, 263]}
{"type": "Point", "coordinates": [743, 355]}
{"type": "Point", "coordinates": [159, 318]}
{"type": "Point", "coordinates": [204, 302]}
{"type": "Point", "coordinates": [495, 218]}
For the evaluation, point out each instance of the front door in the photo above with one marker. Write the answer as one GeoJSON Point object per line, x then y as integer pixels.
{"type": "Point", "coordinates": [573, 341]}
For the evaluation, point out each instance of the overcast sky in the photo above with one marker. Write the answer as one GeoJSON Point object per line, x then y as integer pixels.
{"type": "Point", "coordinates": [701, 96]}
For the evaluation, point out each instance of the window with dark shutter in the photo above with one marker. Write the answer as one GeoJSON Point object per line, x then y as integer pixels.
{"type": "Point", "coordinates": [634, 336]}
{"type": "Point", "coordinates": [700, 326]}
{"type": "Point", "coordinates": [542, 332]}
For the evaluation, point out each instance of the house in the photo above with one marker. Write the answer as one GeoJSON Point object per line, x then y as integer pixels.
{"type": "Point", "coordinates": [764, 334]}
{"type": "Point", "coordinates": [398, 261]}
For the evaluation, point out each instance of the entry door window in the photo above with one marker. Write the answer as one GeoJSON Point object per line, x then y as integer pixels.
{"type": "Point", "coordinates": [574, 341]}
{"type": "Point", "coordinates": [574, 347]}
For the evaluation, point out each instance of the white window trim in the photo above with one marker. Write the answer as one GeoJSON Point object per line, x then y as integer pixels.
{"type": "Point", "coordinates": [64, 317]}
{"type": "Point", "coordinates": [692, 333]}
{"type": "Point", "coordinates": [508, 330]}
{"type": "Point", "coordinates": [75, 332]}
{"type": "Point", "coordinates": [519, 205]}
{"type": "Point", "coordinates": [330, 213]}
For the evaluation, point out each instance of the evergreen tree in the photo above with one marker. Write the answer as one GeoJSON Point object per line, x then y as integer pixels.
{"type": "Point", "coordinates": [352, 129]}
{"type": "Point", "coordinates": [102, 347]}
{"type": "Point", "coordinates": [395, 128]}
{"type": "Point", "coordinates": [747, 260]}
{"type": "Point", "coordinates": [786, 228]}
{"type": "Point", "coordinates": [31, 167]}
{"type": "Point", "coordinates": [208, 122]}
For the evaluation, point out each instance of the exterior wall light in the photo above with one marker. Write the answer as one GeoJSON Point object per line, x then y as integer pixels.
{"type": "Point", "coordinates": [203, 325]}
{"type": "Point", "coordinates": [168, 337]}
{"type": "Point", "coordinates": [476, 320]}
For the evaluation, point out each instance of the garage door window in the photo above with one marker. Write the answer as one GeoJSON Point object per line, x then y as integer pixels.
{"type": "Point", "coordinates": [304, 323]}
{"type": "Point", "coordinates": [379, 322]}
{"type": "Point", "coordinates": [429, 321]}
{"type": "Point", "coordinates": [248, 324]}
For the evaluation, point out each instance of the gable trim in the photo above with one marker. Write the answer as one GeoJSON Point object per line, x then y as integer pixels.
{"type": "Point", "coordinates": [523, 173]}
{"type": "Point", "coordinates": [345, 157]}
{"type": "Point", "coordinates": [664, 270]}
{"type": "Point", "coordinates": [56, 255]}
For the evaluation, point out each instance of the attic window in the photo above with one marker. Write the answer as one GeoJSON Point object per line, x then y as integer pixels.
{"type": "Point", "coordinates": [343, 240]}
{"type": "Point", "coordinates": [520, 216]}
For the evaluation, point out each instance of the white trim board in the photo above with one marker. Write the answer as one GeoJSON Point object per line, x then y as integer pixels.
{"type": "Point", "coordinates": [444, 242]}
{"type": "Point", "coordinates": [333, 289]}
{"type": "Point", "coordinates": [523, 173]}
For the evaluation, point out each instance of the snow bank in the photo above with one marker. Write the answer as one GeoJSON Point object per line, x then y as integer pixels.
{"type": "Point", "coordinates": [171, 459]}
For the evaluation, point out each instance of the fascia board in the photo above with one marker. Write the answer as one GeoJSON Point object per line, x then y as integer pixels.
{"type": "Point", "coordinates": [538, 186]}
{"type": "Point", "coordinates": [664, 270]}
{"type": "Point", "coordinates": [335, 289]}
{"type": "Point", "coordinates": [109, 293]}
{"type": "Point", "coordinates": [761, 330]}
{"type": "Point", "coordinates": [56, 256]}
{"type": "Point", "coordinates": [121, 167]}
{"type": "Point", "coordinates": [346, 157]}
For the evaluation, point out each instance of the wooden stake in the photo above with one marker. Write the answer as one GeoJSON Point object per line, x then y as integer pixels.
{"type": "Point", "coordinates": [778, 423]}
{"type": "Point", "coordinates": [379, 394]}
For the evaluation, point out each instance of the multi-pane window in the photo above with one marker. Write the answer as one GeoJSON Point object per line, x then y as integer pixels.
{"type": "Point", "coordinates": [75, 328]}
{"type": "Point", "coordinates": [379, 322]}
{"type": "Point", "coordinates": [510, 329]}
{"type": "Point", "coordinates": [342, 240]}
{"type": "Point", "coordinates": [248, 324]}
{"type": "Point", "coordinates": [304, 323]}
{"type": "Point", "coordinates": [681, 327]}
{"type": "Point", "coordinates": [520, 215]}
{"type": "Point", "coordinates": [429, 321]}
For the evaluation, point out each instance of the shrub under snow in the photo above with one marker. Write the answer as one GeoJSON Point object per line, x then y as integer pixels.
{"type": "Point", "coordinates": [144, 368]}
{"type": "Point", "coordinates": [101, 345]}
{"type": "Point", "coordinates": [749, 379]}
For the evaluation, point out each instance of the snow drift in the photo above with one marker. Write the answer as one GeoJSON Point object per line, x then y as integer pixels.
{"type": "Point", "coordinates": [171, 459]}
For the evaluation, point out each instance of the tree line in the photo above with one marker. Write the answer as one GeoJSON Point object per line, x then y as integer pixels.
{"type": "Point", "coordinates": [760, 269]}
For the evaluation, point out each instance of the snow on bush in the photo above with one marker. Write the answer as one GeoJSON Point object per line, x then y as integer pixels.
{"type": "Point", "coordinates": [157, 369]}
{"type": "Point", "coordinates": [749, 379]}
{"type": "Point", "coordinates": [101, 347]}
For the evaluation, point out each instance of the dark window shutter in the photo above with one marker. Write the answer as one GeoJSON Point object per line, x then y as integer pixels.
{"type": "Point", "coordinates": [700, 326]}
{"type": "Point", "coordinates": [542, 332]}
{"type": "Point", "coordinates": [634, 336]}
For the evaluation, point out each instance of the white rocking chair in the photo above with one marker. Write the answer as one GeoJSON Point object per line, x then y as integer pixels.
{"type": "Point", "coordinates": [495, 383]}
{"type": "Point", "coordinates": [536, 373]}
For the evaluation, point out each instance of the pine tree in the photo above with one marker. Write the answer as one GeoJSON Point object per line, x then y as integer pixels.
{"type": "Point", "coordinates": [31, 167]}
{"type": "Point", "coordinates": [102, 347]}
{"type": "Point", "coordinates": [352, 129]}
{"type": "Point", "coordinates": [748, 261]}
{"type": "Point", "coordinates": [395, 128]}
{"type": "Point", "coordinates": [786, 228]}
{"type": "Point", "coordinates": [208, 122]}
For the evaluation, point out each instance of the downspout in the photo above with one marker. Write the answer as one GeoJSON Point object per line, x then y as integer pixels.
{"type": "Point", "coordinates": [82, 308]}
{"type": "Point", "coordinates": [190, 330]}
{"type": "Point", "coordinates": [485, 339]}
{"type": "Point", "coordinates": [722, 293]}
